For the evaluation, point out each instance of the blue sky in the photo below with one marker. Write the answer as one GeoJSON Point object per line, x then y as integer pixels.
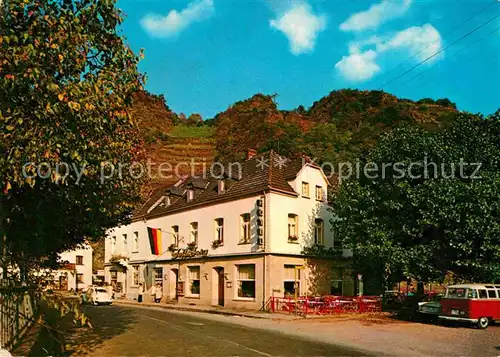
{"type": "Point", "coordinates": [204, 55]}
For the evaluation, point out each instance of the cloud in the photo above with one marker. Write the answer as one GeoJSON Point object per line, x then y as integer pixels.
{"type": "Point", "coordinates": [358, 66]}
{"type": "Point", "coordinates": [425, 38]}
{"type": "Point", "coordinates": [176, 21]}
{"type": "Point", "coordinates": [375, 15]}
{"type": "Point", "coordinates": [361, 63]}
{"type": "Point", "coordinates": [301, 26]}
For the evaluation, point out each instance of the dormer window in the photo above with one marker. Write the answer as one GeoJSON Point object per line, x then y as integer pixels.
{"type": "Point", "coordinates": [221, 186]}
{"type": "Point", "coordinates": [167, 201]}
{"type": "Point", "coordinates": [190, 195]}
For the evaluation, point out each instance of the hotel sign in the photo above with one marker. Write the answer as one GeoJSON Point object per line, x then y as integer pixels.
{"type": "Point", "coordinates": [189, 253]}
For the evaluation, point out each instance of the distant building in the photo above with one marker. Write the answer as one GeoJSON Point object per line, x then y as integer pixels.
{"type": "Point", "coordinates": [76, 271]}
{"type": "Point", "coordinates": [234, 240]}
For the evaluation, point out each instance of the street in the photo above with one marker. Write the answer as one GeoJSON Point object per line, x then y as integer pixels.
{"type": "Point", "coordinates": [130, 331]}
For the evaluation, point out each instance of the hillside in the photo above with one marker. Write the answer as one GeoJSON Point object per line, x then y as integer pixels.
{"type": "Point", "coordinates": [341, 126]}
{"type": "Point", "coordinates": [171, 141]}
{"type": "Point", "coordinates": [178, 156]}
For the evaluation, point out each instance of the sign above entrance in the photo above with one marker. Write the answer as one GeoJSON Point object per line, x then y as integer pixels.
{"type": "Point", "coordinates": [189, 253]}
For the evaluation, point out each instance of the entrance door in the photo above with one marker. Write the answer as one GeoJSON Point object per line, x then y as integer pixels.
{"type": "Point", "coordinates": [220, 271]}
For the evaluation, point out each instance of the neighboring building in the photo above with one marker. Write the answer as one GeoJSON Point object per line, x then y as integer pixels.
{"type": "Point", "coordinates": [76, 270]}
{"type": "Point", "coordinates": [232, 241]}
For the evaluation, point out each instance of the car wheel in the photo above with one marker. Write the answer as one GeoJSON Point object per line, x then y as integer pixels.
{"type": "Point", "coordinates": [483, 322]}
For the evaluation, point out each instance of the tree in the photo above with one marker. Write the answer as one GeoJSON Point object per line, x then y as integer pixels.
{"type": "Point", "coordinates": [247, 124]}
{"type": "Point", "coordinates": [439, 217]}
{"type": "Point", "coordinates": [66, 83]}
{"type": "Point", "coordinates": [194, 119]}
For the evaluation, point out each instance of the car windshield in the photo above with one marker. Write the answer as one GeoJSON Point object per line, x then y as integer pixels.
{"type": "Point", "coordinates": [101, 290]}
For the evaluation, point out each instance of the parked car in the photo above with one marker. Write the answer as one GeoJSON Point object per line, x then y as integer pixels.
{"type": "Point", "coordinates": [430, 305]}
{"type": "Point", "coordinates": [97, 296]}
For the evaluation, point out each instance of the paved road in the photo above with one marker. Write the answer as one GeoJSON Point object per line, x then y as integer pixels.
{"type": "Point", "coordinates": [131, 331]}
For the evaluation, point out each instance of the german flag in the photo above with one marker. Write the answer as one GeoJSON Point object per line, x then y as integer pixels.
{"type": "Point", "coordinates": [155, 240]}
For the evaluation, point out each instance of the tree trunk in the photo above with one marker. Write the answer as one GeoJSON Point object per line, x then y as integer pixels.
{"type": "Point", "coordinates": [420, 288]}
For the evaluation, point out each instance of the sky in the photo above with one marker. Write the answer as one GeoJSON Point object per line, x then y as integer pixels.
{"type": "Point", "coordinates": [205, 55]}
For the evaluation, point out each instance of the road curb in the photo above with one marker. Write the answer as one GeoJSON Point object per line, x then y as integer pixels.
{"type": "Point", "coordinates": [214, 312]}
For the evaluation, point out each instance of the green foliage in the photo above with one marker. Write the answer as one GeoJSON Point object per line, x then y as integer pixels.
{"type": "Point", "coordinates": [67, 80]}
{"type": "Point", "coordinates": [318, 250]}
{"type": "Point", "coordinates": [185, 131]}
{"type": "Point", "coordinates": [445, 102]}
{"type": "Point", "coordinates": [339, 127]}
{"type": "Point", "coordinates": [428, 224]}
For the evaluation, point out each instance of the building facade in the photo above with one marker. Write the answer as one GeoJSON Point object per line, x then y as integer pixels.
{"type": "Point", "coordinates": [233, 239]}
{"type": "Point", "coordinates": [75, 272]}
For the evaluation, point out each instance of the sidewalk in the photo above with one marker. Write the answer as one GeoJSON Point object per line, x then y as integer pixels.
{"type": "Point", "coordinates": [211, 310]}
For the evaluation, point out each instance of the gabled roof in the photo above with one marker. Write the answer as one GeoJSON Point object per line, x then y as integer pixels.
{"type": "Point", "coordinates": [262, 173]}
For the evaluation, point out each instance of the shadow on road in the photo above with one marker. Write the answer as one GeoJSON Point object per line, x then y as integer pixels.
{"type": "Point", "coordinates": [59, 336]}
{"type": "Point", "coordinates": [107, 322]}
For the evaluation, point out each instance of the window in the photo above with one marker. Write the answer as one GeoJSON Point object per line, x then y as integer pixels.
{"type": "Point", "coordinates": [336, 282]}
{"type": "Point", "coordinates": [319, 232]}
{"type": "Point", "coordinates": [305, 189]}
{"type": "Point", "coordinates": [190, 195]}
{"type": "Point", "coordinates": [291, 281]}
{"type": "Point", "coordinates": [125, 243]}
{"type": "Point", "coordinates": [483, 294]}
{"type": "Point", "coordinates": [114, 278]}
{"type": "Point", "coordinates": [135, 275]}
{"type": "Point", "coordinates": [79, 260]}
{"type": "Point", "coordinates": [194, 280]}
{"type": "Point", "coordinates": [456, 293]}
{"type": "Point", "coordinates": [158, 273]}
{"type": "Point", "coordinates": [194, 233]}
{"type": "Point", "coordinates": [471, 294]}
{"type": "Point", "coordinates": [219, 229]}
{"type": "Point", "coordinates": [319, 193]}
{"type": "Point", "coordinates": [175, 235]}
{"type": "Point", "coordinates": [113, 245]}
{"type": "Point", "coordinates": [492, 294]}
{"type": "Point", "coordinates": [136, 241]}
{"type": "Point", "coordinates": [246, 280]}
{"type": "Point", "coordinates": [79, 278]}
{"type": "Point", "coordinates": [245, 228]}
{"type": "Point", "coordinates": [293, 227]}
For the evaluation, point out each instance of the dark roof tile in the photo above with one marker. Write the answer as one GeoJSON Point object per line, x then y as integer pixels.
{"type": "Point", "coordinates": [261, 173]}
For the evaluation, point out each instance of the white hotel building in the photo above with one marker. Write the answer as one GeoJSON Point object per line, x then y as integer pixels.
{"type": "Point", "coordinates": [232, 241]}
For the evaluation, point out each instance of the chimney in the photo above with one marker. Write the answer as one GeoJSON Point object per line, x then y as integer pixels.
{"type": "Point", "coordinates": [251, 153]}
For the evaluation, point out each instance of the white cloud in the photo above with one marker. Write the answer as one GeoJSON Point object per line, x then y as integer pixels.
{"type": "Point", "coordinates": [301, 26]}
{"type": "Point", "coordinates": [415, 38]}
{"type": "Point", "coordinates": [358, 66]}
{"type": "Point", "coordinates": [375, 15]}
{"type": "Point", "coordinates": [361, 62]}
{"type": "Point", "coordinates": [176, 21]}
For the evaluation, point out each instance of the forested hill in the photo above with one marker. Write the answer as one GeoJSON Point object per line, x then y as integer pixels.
{"type": "Point", "coordinates": [343, 125]}
{"type": "Point", "coordinates": [171, 138]}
